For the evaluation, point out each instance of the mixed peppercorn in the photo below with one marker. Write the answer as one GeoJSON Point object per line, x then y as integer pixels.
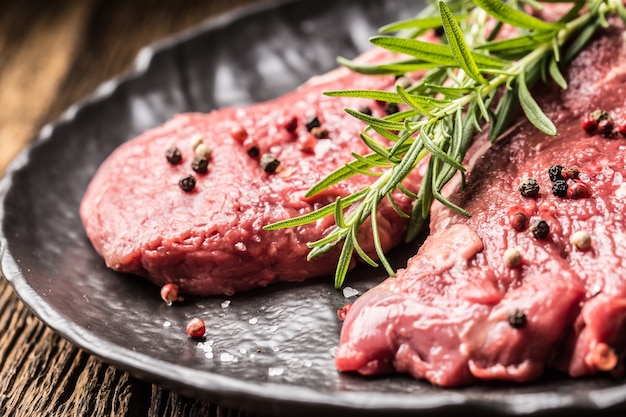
{"type": "Point", "coordinates": [566, 183]}
{"type": "Point", "coordinates": [517, 319]}
{"type": "Point", "coordinates": [196, 328]}
{"type": "Point", "coordinates": [601, 121]}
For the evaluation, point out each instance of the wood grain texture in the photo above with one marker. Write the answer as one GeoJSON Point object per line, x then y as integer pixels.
{"type": "Point", "coordinates": [52, 54]}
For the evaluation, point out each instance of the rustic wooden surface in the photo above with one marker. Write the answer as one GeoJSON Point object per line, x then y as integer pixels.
{"type": "Point", "coordinates": [53, 53]}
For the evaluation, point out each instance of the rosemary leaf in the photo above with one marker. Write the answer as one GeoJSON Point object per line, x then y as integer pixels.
{"type": "Point", "coordinates": [556, 75]}
{"type": "Point", "coordinates": [449, 92]}
{"type": "Point", "coordinates": [581, 40]}
{"type": "Point", "coordinates": [374, 121]}
{"type": "Point", "coordinates": [378, 148]}
{"type": "Point", "coordinates": [437, 152]}
{"type": "Point", "coordinates": [522, 43]}
{"type": "Point", "coordinates": [414, 102]}
{"type": "Point", "coordinates": [458, 45]}
{"type": "Point", "coordinates": [361, 68]}
{"type": "Point", "coordinates": [409, 65]}
{"type": "Point", "coordinates": [366, 94]}
{"type": "Point", "coordinates": [343, 264]}
{"type": "Point", "coordinates": [504, 111]}
{"type": "Point", "coordinates": [507, 14]}
{"type": "Point", "coordinates": [339, 219]}
{"type": "Point", "coordinates": [431, 52]}
{"type": "Point", "coordinates": [532, 110]}
{"type": "Point", "coordinates": [396, 208]}
{"type": "Point", "coordinates": [362, 254]}
{"type": "Point", "coordinates": [377, 244]}
{"type": "Point", "coordinates": [418, 23]}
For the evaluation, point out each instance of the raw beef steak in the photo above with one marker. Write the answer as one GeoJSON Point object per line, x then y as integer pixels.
{"type": "Point", "coordinates": [209, 240]}
{"type": "Point", "coordinates": [499, 296]}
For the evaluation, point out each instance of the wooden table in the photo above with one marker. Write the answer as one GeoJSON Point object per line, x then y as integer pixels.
{"type": "Point", "coordinates": [53, 53]}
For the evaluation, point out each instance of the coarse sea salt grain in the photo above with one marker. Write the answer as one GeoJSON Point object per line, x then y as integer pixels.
{"type": "Point", "coordinates": [207, 348]}
{"type": "Point", "coordinates": [618, 178]}
{"type": "Point", "coordinates": [166, 323]}
{"type": "Point", "coordinates": [253, 320]}
{"type": "Point", "coordinates": [350, 292]}
{"type": "Point", "coordinates": [227, 357]}
{"type": "Point", "coordinates": [275, 371]}
{"type": "Point", "coordinates": [225, 304]}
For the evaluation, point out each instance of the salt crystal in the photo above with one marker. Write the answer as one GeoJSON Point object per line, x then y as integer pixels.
{"type": "Point", "coordinates": [226, 357]}
{"type": "Point", "coordinates": [243, 351]}
{"type": "Point", "coordinates": [253, 320]}
{"type": "Point", "coordinates": [166, 324]}
{"type": "Point", "coordinates": [275, 371]}
{"type": "Point", "coordinates": [240, 246]}
{"type": "Point", "coordinates": [225, 304]}
{"type": "Point", "coordinates": [350, 292]}
{"type": "Point", "coordinates": [208, 355]}
{"type": "Point", "coordinates": [618, 178]}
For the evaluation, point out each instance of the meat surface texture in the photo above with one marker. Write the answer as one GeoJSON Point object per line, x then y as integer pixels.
{"type": "Point", "coordinates": [210, 240]}
{"type": "Point", "coordinates": [459, 313]}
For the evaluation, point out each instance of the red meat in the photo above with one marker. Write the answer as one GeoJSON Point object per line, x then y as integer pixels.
{"type": "Point", "coordinates": [445, 318]}
{"type": "Point", "coordinates": [210, 240]}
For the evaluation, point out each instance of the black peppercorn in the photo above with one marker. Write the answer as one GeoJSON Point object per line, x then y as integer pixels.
{"type": "Point", "coordinates": [391, 108]}
{"type": "Point", "coordinates": [200, 164]}
{"type": "Point", "coordinates": [605, 127]}
{"type": "Point", "coordinates": [529, 187]}
{"type": "Point", "coordinates": [320, 132]}
{"type": "Point", "coordinates": [173, 155]}
{"type": "Point", "coordinates": [600, 114]}
{"type": "Point", "coordinates": [559, 189]}
{"type": "Point", "coordinates": [312, 121]}
{"type": "Point", "coordinates": [366, 110]}
{"type": "Point", "coordinates": [555, 172]}
{"type": "Point", "coordinates": [539, 229]}
{"type": "Point", "coordinates": [187, 183]}
{"type": "Point", "coordinates": [517, 319]}
{"type": "Point", "coordinates": [269, 163]}
{"type": "Point", "coordinates": [252, 147]}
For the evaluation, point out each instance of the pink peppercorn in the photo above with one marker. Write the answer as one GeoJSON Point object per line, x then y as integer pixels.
{"type": "Point", "coordinates": [196, 328]}
{"type": "Point", "coordinates": [169, 293]}
{"type": "Point", "coordinates": [621, 128]}
{"type": "Point", "coordinates": [239, 133]}
{"type": "Point", "coordinates": [307, 142]}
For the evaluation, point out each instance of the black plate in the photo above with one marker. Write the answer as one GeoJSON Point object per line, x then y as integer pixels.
{"type": "Point", "coordinates": [269, 349]}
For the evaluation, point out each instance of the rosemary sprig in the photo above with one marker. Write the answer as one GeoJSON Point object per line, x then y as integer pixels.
{"type": "Point", "coordinates": [456, 96]}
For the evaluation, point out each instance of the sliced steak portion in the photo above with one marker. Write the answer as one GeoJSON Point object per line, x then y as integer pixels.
{"type": "Point", "coordinates": [459, 313]}
{"type": "Point", "coordinates": [210, 240]}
